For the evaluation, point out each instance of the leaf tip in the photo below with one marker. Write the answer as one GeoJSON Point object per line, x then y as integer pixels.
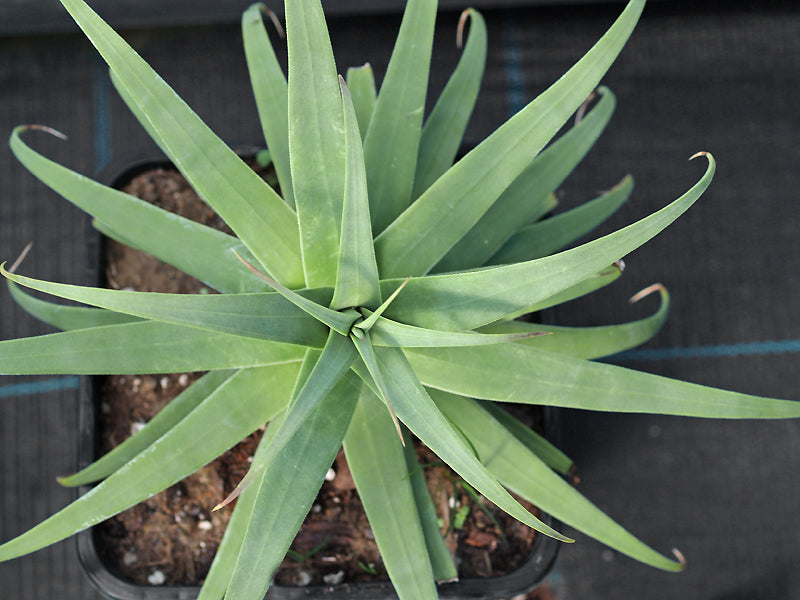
{"type": "Point", "coordinates": [680, 557]}
{"type": "Point", "coordinates": [21, 257]}
{"type": "Point", "coordinates": [462, 21]}
{"type": "Point", "coordinates": [656, 287]}
{"type": "Point", "coordinates": [50, 130]}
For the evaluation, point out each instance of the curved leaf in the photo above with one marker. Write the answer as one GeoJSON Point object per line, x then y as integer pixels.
{"type": "Point", "coordinates": [416, 409]}
{"type": "Point", "coordinates": [392, 140]}
{"type": "Point", "coordinates": [237, 408]}
{"type": "Point", "coordinates": [524, 473]}
{"type": "Point", "coordinates": [553, 234]}
{"type": "Point", "coordinates": [266, 225]}
{"type": "Point", "coordinates": [65, 317]}
{"type": "Point", "coordinates": [468, 300]}
{"type": "Point", "coordinates": [166, 419]}
{"type": "Point", "coordinates": [263, 316]}
{"type": "Point", "coordinates": [589, 342]}
{"type": "Point", "coordinates": [271, 92]}
{"type": "Point", "coordinates": [529, 196]}
{"type": "Point", "coordinates": [444, 128]}
{"type": "Point", "coordinates": [426, 231]}
{"type": "Point", "coordinates": [164, 234]}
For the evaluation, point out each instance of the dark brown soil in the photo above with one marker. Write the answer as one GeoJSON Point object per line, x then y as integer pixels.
{"type": "Point", "coordinates": [172, 537]}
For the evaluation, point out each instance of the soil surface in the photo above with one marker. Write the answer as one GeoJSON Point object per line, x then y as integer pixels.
{"type": "Point", "coordinates": [172, 537]}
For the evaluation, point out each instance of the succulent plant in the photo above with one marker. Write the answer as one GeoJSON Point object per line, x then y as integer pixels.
{"type": "Point", "coordinates": [375, 299]}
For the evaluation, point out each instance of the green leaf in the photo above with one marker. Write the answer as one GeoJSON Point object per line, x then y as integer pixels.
{"type": "Point", "coordinates": [468, 300]}
{"type": "Point", "coordinates": [288, 487]}
{"type": "Point", "coordinates": [266, 225]}
{"type": "Point", "coordinates": [367, 353]}
{"type": "Point", "coordinates": [264, 316]}
{"type": "Point", "coordinates": [361, 83]}
{"type": "Point", "coordinates": [553, 234]}
{"type": "Point", "coordinates": [166, 419]}
{"type": "Point", "coordinates": [392, 140]}
{"type": "Point", "coordinates": [390, 333]}
{"type": "Point", "coordinates": [427, 230]}
{"type": "Point", "coordinates": [271, 93]}
{"type": "Point", "coordinates": [335, 360]}
{"type": "Point", "coordinates": [444, 569]}
{"type": "Point", "coordinates": [590, 342]}
{"type": "Point", "coordinates": [529, 196]}
{"type": "Point", "coordinates": [375, 457]}
{"type": "Point", "coordinates": [316, 144]}
{"type": "Point", "coordinates": [67, 317]}
{"type": "Point", "coordinates": [445, 126]}
{"type": "Point", "coordinates": [539, 445]}
{"type": "Point", "coordinates": [143, 225]}
{"type": "Point", "coordinates": [357, 273]}
{"type": "Point", "coordinates": [338, 321]}
{"type": "Point", "coordinates": [142, 347]}
{"type": "Point", "coordinates": [237, 408]}
{"type": "Point", "coordinates": [416, 409]}
{"type": "Point", "coordinates": [520, 373]}
{"type": "Point", "coordinates": [219, 575]}
{"type": "Point", "coordinates": [524, 473]}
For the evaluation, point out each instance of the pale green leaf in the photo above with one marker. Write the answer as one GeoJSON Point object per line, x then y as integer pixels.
{"type": "Point", "coordinates": [444, 569]}
{"type": "Point", "coordinates": [237, 408]}
{"type": "Point", "coordinates": [538, 444]}
{"type": "Point", "coordinates": [264, 316]}
{"type": "Point", "coordinates": [416, 409]}
{"type": "Point", "coordinates": [553, 234]}
{"type": "Point", "coordinates": [266, 225]}
{"type": "Point", "coordinates": [461, 301]}
{"type": "Point", "coordinates": [375, 456]}
{"type": "Point", "coordinates": [589, 342]}
{"type": "Point", "coordinates": [357, 273]}
{"type": "Point", "coordinates": [529, 196]}
{"type": "Point", "coordinates": [271, 93]}
{"type": "Point", "coordinates": [392, 140]}
{"type": "Point", "coordinates": [524, 473]}
{"type": "Point", "coordinates": [143, 225]}
{"type": "Point", "coordinates": [316, 144]}
{"type": "Point", "coordinates": [142, 347]}
{"type": "Point", "coordinates": [288, 487]}
{"type": "Point", "coordinates": [520, 373]}
{"type": "Point", "coordinates": [427, 230]}
{"type": "Point", "coordinates": [361, 82]}
{"type": "Point", "coordinates": [67, 317]}
{"type": "Point", "coordinates": [391, 333]}
{"type": "Point", "coordinates": [161, 423]}
{"type": "Point", "coordinates": [444, 128]}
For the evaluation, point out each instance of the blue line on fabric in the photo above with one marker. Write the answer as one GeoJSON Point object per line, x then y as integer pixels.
{"type": "Point", "coordinates": [515, 80]}
{"type": "Point", "coordinates": [28, 388]}
{"type": "Point", "coordinates": [715, 351]}
{"type": "Point", "coordinates": [102, 114]}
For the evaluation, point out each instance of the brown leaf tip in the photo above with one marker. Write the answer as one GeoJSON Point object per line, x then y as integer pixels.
{"type": "Point", "coordinates": [656, 287]}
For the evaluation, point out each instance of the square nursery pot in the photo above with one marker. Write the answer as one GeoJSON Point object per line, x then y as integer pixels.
{"type": "Point", "coordinates": [530, 572]}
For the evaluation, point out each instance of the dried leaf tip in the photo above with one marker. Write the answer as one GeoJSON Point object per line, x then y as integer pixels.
{"type": "Point", "coordinates": [585, 106]}
{"type": "Point", "coordinates": [656, 287]}
{"type": "Point", "coordinates": [274, 18]}
{"type": "Point", "coordinates": [679, 555]}
{"type": "Point", "coordinates": [22, 256]}
{"type": "Point", "coordinates": [50, 130]}
{"type": "Point", "coordinates": [620, 264]}
{"type": "Point", "coordinates": [702, 153]}
{"type": "Point", "coordinates": [462, 21]}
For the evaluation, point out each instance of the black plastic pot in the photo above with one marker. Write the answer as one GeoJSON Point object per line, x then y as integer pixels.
{"type": "Point", "coordinates": [523, 579]}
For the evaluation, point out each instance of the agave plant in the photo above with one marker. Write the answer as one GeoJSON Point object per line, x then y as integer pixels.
{"type": "Point", "coordinates": [373, 300]}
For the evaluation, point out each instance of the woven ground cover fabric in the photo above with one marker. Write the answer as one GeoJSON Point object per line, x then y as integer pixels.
{"type": "Point", "coordinates": [709, 77]}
